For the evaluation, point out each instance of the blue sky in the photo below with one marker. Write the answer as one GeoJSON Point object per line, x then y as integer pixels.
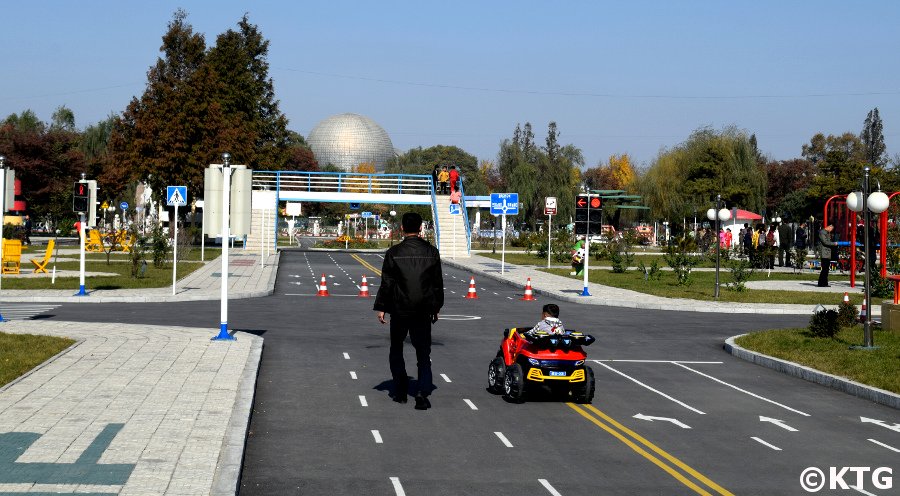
{"type": "Point", "coordinates": [617, 77]}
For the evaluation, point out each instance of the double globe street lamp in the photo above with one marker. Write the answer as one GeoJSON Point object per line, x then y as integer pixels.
{"type": "Point", "coordinates": [718, 214]}
{"type": "Point", "coordinates": [876, 202]}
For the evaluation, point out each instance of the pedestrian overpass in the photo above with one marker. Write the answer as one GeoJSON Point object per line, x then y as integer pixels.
{"type": "Point", "coordinates": [452, 233]}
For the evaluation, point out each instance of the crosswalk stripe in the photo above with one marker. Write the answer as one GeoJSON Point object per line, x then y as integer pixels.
{"type": "Point", "coordinates": [24, 312]}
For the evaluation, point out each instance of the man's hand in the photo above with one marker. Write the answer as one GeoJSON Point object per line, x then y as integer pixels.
{"type": "Point", "coordinates": [381, 317]}
{"type": "Point", "coordinates": [434, 318]}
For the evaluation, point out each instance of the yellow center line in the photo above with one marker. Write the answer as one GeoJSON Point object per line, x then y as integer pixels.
{"type": "Point", "coordinates": [366, 264]}
{"type": "Point", "coordinates": [671, 471]}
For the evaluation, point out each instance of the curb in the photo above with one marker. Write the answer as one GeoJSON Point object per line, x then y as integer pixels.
{"type": "Point", "coordinates": [227, 477]}
{"type": "Point", "coordinates": [841, 384]}
{"type": "Point", "coordinates": [692, 306]}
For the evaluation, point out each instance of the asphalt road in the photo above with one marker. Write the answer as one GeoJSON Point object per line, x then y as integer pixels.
{"type": "Point", "coordinates": [323, 422]}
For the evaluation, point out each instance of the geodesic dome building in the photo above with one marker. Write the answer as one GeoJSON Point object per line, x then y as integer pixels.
{"type": "Point", "coordinates": [347, 140]}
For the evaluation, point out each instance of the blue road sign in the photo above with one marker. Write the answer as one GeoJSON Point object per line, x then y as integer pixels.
{"type": "Point", "coordinates": [176, 195]}
{"type": "Point", "coordinates": [354, 206]}
{"type": "Point", "coordinates": [123, 205]}
{"type": "Point", "coordinates": [365, 215]}
{"type": "Point", "coordinates": [504, 203]}
{"type": "Point", "coordinates": [454, 209]}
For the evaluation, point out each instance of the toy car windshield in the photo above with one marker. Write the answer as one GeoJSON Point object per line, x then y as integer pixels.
{"type": "Point", "coordinates": [567, 340]}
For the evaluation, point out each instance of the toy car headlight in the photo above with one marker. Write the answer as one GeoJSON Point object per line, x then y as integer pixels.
{"type": "Point", "coordinates": [534, 362]}
{"type": "Point", "coordinates": [579, 362]}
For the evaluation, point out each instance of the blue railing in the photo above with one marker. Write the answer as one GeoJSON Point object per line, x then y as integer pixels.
{"type": "Point", "coordinates": [462, 205]}
{"type": "Point", "coordinates": [343, 182]}
{"type": "Point", "coordinates": [434, 215]}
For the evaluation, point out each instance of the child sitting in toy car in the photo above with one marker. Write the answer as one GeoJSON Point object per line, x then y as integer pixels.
{"type": "Point", "coordinates": [549, 324]}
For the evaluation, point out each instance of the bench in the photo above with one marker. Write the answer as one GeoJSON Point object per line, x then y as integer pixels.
{"type": "Point", "coordinates": [40, 264]}
{"type": "Point", "coordinates": [12, 256]}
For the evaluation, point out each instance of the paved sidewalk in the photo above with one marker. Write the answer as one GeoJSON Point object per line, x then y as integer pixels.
{"type": "Point", "coordinates": [246, 279]}
{"type": "Point", "coordinates": [569, 289]}
{"type": "Point", "coordinates": [130, 410]}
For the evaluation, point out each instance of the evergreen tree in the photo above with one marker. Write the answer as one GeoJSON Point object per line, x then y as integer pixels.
{"type": "Point", "coordinates": [872, 137]}
{"type": "Point", "coordinates": [240, 60]}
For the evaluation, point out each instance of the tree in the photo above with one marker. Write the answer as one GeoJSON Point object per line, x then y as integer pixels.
{"type": "Point", "coordinates": [711, 163]}
{"type": "Point", "coordinates": [839, 162]}
{"type": "Point", "coordinates": [63, 119]}
{"type": "Point", "coordinates": [169, 134]}
{"type": "Point", "coordinates": [47, 161]}
{"type": "Point", "coordinates": [423, 160]}
{"type": "Point", "coordinates": [872, 137]}
{"type": "Point", "coordinates": [240, 60]}
{"type": "Point", "coordinates": [788, 181]}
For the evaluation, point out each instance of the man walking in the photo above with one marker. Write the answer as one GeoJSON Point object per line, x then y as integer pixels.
{"type": "Point", "coordinates": [825, 253]}
{"type": "Point", "coordinates": [785, 244]}
{"type": "Point", "coordinates": [412, 292]}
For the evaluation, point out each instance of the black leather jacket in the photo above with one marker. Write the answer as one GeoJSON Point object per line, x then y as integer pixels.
{"type": "Point", "coordinates": [412, 283]}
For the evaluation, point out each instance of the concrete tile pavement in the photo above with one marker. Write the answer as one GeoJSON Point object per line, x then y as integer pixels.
{"type": "Point", "coordinates": [247, 278]}
{"type": "Point", "coordinates": [569, 289]}
{"type": "Point", "coordinates": [129, 410]}
{"type": "Point", "coordinates": [134, 409]}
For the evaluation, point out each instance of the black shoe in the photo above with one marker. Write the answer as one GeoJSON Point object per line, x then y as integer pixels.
{"type": "Point", "coordinates": [422, 403]}
{"type": "Point", "coordinates": [400, 398]}
{"type": "Point", "coordinates": [824, 285]}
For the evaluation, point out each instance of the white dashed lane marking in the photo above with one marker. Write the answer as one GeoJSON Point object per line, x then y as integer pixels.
{"type": "Point", "coordinates": [362, 401]}
{"type": "Point", "coordinates": [346, 356]}
{"type": "Point", "coordinates": [444, 376]}
{"type": "Point", "coordinates": [398, 489]}
{"type": "Point", "coordinates": [377, 436]}
{"type": "Point", "coordinates": [760, 441]}
{"type": "Point", "coordinates": [353, 375]}
{"type": "Point", "coordinates": [549, 488]}
{"type": "Point", "coordinates": [471, 405]}
{"type": "Point", "coordinates": [503, 439]}
{"type": "Point", "coordinates": [879, 443]}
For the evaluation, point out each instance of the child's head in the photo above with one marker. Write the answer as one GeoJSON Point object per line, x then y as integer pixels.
{"type": "Point", "coordinates": [551, 310]}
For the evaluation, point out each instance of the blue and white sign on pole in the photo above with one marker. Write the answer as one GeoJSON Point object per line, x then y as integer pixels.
{"type": "Point", "coordinates": [504, 204]}
{"type": "Point", "coordinates": [455, 210]}
{"type": "Point", "coordinates": [123, 205]}
{"type": "Point", "coordinates": [176, 195]}
{"type": "Point", "coordinates": [365, 215]}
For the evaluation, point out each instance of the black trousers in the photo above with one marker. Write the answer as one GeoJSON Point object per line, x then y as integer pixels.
{"type": "Point", "coordinates": [823, 276]}
{"type": "Point", "coordinates": [419, 330]}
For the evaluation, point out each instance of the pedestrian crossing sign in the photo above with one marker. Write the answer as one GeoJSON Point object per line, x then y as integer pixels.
{"type": "Point", "coordinates": [176, 195]}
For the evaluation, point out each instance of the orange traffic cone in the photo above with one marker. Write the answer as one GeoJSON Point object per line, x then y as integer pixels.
{"type": "Point", "coordinates": [472, 294]}
{"type": "Point", "coordinates": [364, 288]}
{"type": "Point", "coordinates": [862, 313]}
{"type": "Point", "coordinates": [323, 288]}
{"type": "Point", "coordinates": [846, 298]}
{"type": "Point", "coordinates": [529, 294]}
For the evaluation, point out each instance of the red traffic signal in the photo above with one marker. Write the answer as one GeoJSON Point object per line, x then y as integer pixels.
{"type": "Point", "coordinates": [595, 202]}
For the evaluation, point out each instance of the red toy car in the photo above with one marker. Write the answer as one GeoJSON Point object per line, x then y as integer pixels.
{"type": "Point", "coordinates": [554, 360]}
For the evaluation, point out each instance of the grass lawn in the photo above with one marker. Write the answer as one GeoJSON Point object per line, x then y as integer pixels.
{"type": "Point", "coordinates": [879, 368]}
{"type": "Point", "coordinates": [20, 353]}
{"type": "Point", "coordinates": [153, 277]}
{"type": "Point", "coordinates": [703, 285]}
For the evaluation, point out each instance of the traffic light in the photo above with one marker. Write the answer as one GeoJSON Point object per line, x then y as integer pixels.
{"type": "Point", "coordinates": [588, 215]}
{"type": "Point", "coordinates": [81, 197]}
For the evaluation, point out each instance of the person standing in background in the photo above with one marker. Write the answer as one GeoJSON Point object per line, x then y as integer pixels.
{"type": "Point", "coordinates": [826, 252]}
{"type": "Point", "coordinates": [785, 244]}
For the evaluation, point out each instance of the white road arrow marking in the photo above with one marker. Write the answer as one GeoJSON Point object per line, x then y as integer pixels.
{"type": "Point", "coordinates": [297, 283]}
{"type": "Point", "coordinates": [641, 416]}
{"type": "Point", "coordinates": [777, 422]}
{"type": "Point", "coordinates": [895, 427]}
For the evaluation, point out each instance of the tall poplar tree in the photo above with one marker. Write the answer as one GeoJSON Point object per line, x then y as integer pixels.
{"type": "Point", "coordinates": [872, 137]}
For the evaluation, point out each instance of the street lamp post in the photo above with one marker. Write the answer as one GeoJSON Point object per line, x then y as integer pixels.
{"type": "Point", "coordinates": [877, 202]}
{"type": "Point", "coordinates": [718, 214]}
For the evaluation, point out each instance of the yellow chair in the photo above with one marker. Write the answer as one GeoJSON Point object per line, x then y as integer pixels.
{"type": "Point", "coordinates": [40, 265]}
{"type": "Point", "coordinates": [12, 256]}
{"type": "Point", "coordinates": [124, 240]}
{"type": "Point", "coordinates": [94, 243]}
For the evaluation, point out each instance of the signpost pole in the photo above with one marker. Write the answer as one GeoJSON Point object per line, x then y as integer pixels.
{"type": "Point", "coordinates": [503, 246]}
{"type": "Point", "coordinates": [262, 242]}
{"type": "Point", "coordinates": [454, 239]}
{"type": "Point", "coordinates": [175, 251]}
{"type": "Point", "coordinates": [549, 225]}
{"type": "Point", "coordinates": [81, 291]}
{"type": "Point", "coordinates": [226, 232]}
{"type": "Point", "coordinates": [587, 247]}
